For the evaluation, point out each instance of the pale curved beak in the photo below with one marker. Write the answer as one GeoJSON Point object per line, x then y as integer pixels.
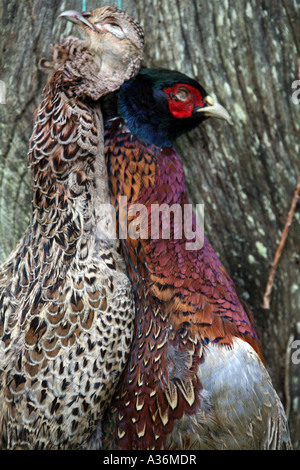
{"type": "Point", "coordinates": [213, 109]}
{"type": "Point", "coordinates": [77, 17]}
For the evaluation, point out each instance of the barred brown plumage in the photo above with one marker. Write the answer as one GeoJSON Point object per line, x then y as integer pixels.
{"type": "Point", "coordinates": [66, 306]}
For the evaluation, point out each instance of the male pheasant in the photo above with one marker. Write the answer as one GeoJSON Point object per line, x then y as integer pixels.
{"type": "Point", "coordinates": [196, 377]}
{"type": "Point", "coordinates": [66, 304]}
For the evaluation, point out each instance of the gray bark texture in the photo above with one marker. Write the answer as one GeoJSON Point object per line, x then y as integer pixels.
{"type": "Point", "coordinates": [245, 53]}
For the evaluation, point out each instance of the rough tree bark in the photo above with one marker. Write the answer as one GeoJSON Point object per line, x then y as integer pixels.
{"type": "Point", "coordinates": [245, 52]}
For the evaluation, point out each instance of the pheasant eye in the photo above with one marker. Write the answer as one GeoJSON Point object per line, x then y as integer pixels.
{"type": "Point", "coordinates": [182, 94]}
{"type": "Point", "coordinates": [113, 28]}
{"type": "Point", "coordinates": [182, 100]}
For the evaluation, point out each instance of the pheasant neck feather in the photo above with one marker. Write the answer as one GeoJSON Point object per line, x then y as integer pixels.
{"type": "Point", "coordinates": [185, 299]}
{"type": "Point", "coordinates": [80, 73]}
{"type": "Point", "coordinates": [66, 160]}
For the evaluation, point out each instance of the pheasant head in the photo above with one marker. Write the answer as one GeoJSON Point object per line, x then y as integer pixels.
{"type": "Point", "coordinates": [160, 104]}
{"type": "Point", "coordinates": [115, 40]}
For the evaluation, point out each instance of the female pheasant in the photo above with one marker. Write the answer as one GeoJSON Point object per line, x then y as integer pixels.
{"type": "Point", "coordinates": [196, 377]}
{"type": "Point", "coordinates": [66, 304]}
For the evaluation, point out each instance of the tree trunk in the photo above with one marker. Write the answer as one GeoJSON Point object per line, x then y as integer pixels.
{"type": "Point", "coordinates": [246, 54]}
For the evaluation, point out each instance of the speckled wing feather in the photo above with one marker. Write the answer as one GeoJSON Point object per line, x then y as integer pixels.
{"type": "Point", "coordinates": [66, 306]}
{"type": "Point", "coordinates": [195, 378]}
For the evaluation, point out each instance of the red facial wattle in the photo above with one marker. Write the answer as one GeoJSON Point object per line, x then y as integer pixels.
{"type": "Point", "coordinates": [183, 108]}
